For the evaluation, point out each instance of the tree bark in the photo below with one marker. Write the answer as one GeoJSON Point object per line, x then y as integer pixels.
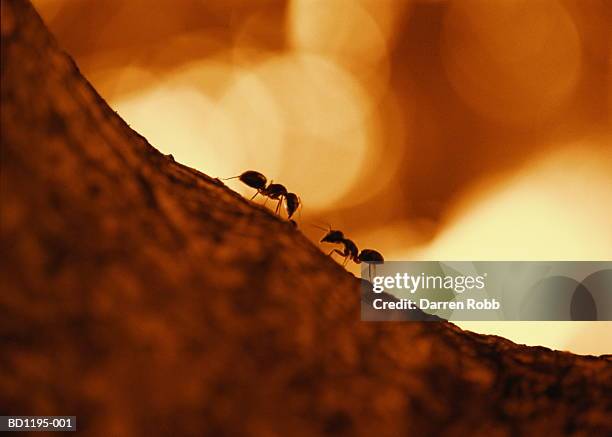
{"type": "Point", "coordinates": [147, 298]}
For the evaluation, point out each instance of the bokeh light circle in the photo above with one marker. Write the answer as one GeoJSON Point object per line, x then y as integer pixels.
{"type": "Point", "coordinates": [514, 61]}
{"type": "Point", "coordinates": [326, 130]}
{"type": "Point", "coordinates": [181, 120]}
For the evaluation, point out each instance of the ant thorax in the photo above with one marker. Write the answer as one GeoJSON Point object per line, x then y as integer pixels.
{"type": "Point", "coordinates": [274, 191]}
{"type": "Point", "coordinates": [351, 249]}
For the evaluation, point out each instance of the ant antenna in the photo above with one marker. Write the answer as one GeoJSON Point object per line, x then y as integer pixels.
{"type": "Point", "coordinates": [233, 177]}
{"type": "Point", "coordinates": [321, 227]}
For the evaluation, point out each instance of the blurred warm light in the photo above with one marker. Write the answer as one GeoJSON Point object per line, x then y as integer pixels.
{"type": "Point", "coordinates": [610, 90]}
{"type": "Point", "coordinates": [556, 209]}
{"type": "Point", "coordinates": [240, 129]}
{"type": "Point", "coordinates": [123, 81]}
{"type": "Point", "coordinates": [342, 29]}
{"type": "Point", "coordinates": [324, 111]}
{"type": "Point", "coordinates": [285, 115]}
{"type": "Point", "coordinates": [355, 34]}
{"type": "Point", "coordinates": [515, 60]}
{"type": "Point", "coordinates": [182, 121]}
{"type": "Point", "coordinates": [319, 97]}
{"type": "Point", "coordinates": [353, 105]}
{"type": "Point", "coordinates": [261, 126]}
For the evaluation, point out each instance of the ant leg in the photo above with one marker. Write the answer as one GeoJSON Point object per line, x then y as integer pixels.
{"type": "Point", "coordinates": [347, 256]}
{"type": "Point", "coordinates": [255, 195]}
{"type": "Point", "coordinates": [265, 201]}
{"type": "Point", "coordinates": [278, 205]}
{"type": "Point", "coordinates": [370, 272]}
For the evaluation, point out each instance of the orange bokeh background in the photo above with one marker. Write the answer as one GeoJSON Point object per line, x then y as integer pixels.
{"type": "Point", "coordinates": [439, 130]}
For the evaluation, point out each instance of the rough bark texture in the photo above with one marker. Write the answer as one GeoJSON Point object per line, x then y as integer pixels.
{"type": "Point", "coordinates": [148, 299]}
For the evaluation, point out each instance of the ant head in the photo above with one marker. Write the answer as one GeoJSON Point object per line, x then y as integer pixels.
{"type": "Point", "coordinates": [333, 236]}
{"type": "Point", "coordinates": [254, 179]}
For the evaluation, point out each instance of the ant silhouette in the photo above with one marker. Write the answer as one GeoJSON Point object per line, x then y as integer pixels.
{"type": "Point", "coordinates": [351, 252]}
{"type": "Point", "coordinates": [337, 237]}
{"type": "Point", "coordinates": [273, 191]}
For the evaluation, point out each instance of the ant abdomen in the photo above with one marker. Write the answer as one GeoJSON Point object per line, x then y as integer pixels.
{"type": "Point", "coordinates": [292, 202]}
{"type": "Point", "coordinates": [371, 256]}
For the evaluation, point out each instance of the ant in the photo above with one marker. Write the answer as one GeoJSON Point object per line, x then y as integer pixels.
{"type": "Point", "coordinates": [337, 237]}
{"type": "Point", "coordinates": [273, 191]}
{"type": "Point", "coordinates": [351, 252]}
